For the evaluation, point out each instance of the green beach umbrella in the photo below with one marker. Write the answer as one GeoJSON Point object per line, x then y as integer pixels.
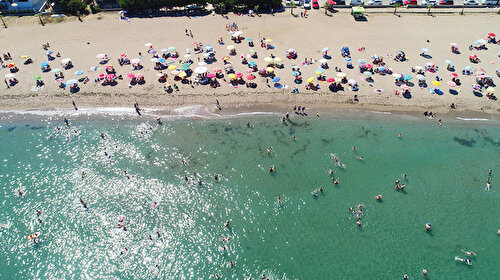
{"type": "Point", "coordinates": [37, 77]}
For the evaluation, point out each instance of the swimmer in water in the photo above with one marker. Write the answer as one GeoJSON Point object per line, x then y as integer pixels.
{"type": "Point", "coordinates": [227, 224]}
{"type": "Point", "coordinates": [186, 178]}
{"type": "Point", "coordinates": [440, 122]}
{"type": "Point", "coordinates": [358, 223]}
{"type": "Point", "coordinates": [272, 168]}
{"type": "Point", "coordinates": [321, 189]}
{"type": "Point", "coordinates": [428, 226]}
{"type": "Point", "coordinates": [488, 186]}
{"type": "Point", "coordinates": [354, 149]}
{"type": "Point", "coordinates": [20, 193]}
{"type": "Point", "coordinates": [279, 199]}
{"type": "Point", "coordinates": [103, 136]}
{"type": "Point", "coordinates": [378, 197]}
{"type": "Point", "coordinates": [269, 150]}
{"type": "Point", "coordinates": [469, 253]}
{"type": "Point", "coordinates": [330, 172]}
{"type": "Point", "coordinates": [84, 204]}
{"type": "Point", "coordinates": [216, 177]}
{"type": "Point", "coordinates": [424, 272]}
{"type": "Point", "coordinates": [400, 135]}
{"type": "Point", "coordinates": [67, 122]}
{"type": "Point", "coordinates": [315, 193]}
{"type": "Point", "coordinates": [406, 277]}
{"type": "Point", "coordinates": [158, 120]}
{"type": "Point", "coordinates": [360, 158]}
{"type": "Point", "coordinates": [84, 174]}
{"type": "Point", "coordinates": [404, 176]}
{"type": "Point", "coordinates": [466, 261]}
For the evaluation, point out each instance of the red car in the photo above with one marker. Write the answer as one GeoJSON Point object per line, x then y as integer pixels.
{"type": "Point", "coordinates": [315, 4]}
{"type": "Point", "coordinates": [410, 2]}
{"type": "Point", "coordinates": [446, 2]}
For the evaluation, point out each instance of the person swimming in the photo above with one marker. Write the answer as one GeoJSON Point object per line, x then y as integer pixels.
{"type": "Point", "coordinates": [227, 224]}
{"type": "Point", "coordinates": [468, 253]}
{"type": "Point", "coordinates": [315, 193]}
{"type": "Point", "coordinates": [465, 261]}
{"type": "Point", "coordinates": [378, 197]}
{"type": "Point", "coordinates": [358, 223]}
{"type": "Point", "coordinates": [428, 226]}
{"type": "Point", "coordinates": [424, 272]}
{"type": "Point", "coordinates": [488, 186]}
{"type": "Point", "coordinates": [84, 204]}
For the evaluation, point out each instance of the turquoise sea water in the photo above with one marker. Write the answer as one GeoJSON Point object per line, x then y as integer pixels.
{"type": "Point", "coordinates": [301, 237]}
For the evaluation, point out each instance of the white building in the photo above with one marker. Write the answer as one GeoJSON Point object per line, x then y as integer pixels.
{"type": "Point", "coordinates": [34, 5]}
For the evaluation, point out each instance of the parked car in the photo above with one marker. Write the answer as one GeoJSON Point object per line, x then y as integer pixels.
{"type": "Point", "coordinates": [429, 2]}
{"type": "Point", "coordinates": [394, 2]}
{"type": "Point", "coordinates": [410, 2]}
{"type": "Point", "coordinates": [471, 2]}
{"type": "Point", "coordinates": [315, 4]}
{"type": "Point", "coordinates": [297, 2]}
{"type": "Point", "coordinates": [490, 2]}
{"type": "Point", "coordinates": [339, 2]}
{"type": "Point", "coordinates": [288, 2]}
{"type": "Point", "coordinates": [356, 2]}
{"type": "Point", "coordinates": [307, 4]}
{"type": "Point", "coordinates": [446, 2]}
{"type": "Point", "coordinates": [374, 3]}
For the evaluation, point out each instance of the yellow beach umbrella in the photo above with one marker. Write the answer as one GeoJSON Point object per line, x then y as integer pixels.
{"type": "Point", "coordinates": [310, 80]}
{"type": "Point", "coordinates": [341, 75]}
{"type": "Point", "coordinates": [436, 83]}
{"type": "Point", "coordinates": [268, 40]}
{"type": "Point", "coordinates": [270, 69]}
{"type": "Point", "coordinates": [182, 74]}
{"type": "Point", "coordinates": [25, 56]}
{"type": "Point", "coordinates": [318, 73]}
{"type": "Point", "coordinates": [232, 76]}
{"type": "Point", "coordinates": [277, 59]}
{"type": "Point", "coordinates": [172, 67]}
{"type": "Point", "coordinates": [268, 59]}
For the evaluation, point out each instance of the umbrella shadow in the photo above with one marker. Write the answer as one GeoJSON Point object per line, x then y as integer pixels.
{"type": "Point", "coordinates": [477, 93]}
{"type": "Point", "coordinates": [410, 84]}
{"type": "Point", "coordinates": [428, 56]}
{"type": "Point", "coordinates": [453, 92]}
{"type": "Point", "coordinates": [407, 95]}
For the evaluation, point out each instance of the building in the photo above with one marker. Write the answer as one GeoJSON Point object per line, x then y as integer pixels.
{"type": "Point", "coordinates": [13, 5]}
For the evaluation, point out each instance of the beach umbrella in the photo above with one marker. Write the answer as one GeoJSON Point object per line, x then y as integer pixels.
{"type": "Point", "coordinates": [277, 59]}
{"type": "Point", "coordinates": [381, 68]}
{"type": "Point", "coordinates": [468, 68]}
{"type": "Point", "coordinates": [453, 44]}
{"type": "Point", "coordinates": [232, 76]}
{"type": "Point", "coordinates": [135, 61]}
{"type": "Point", "coordinates": [449, 62]}
{"type": "Point", "coordinates": [172, 67]}
{"type": "Point", "coordinates": [44, 64]}
{"type": "Point", "coordinates": [230, 47]}
{"type": "Point", "coordinates": [250, 77]}
{"type": "Point", "coordinates": [60, 80]}
{"type": "Point", "coordinates": [492, 34]}
{"type": "Point", "coordinates": [49, 53]}
{"type": "Point", "coordinates": [160, 75]}
{"type": "Point", "coordinates": [323, 60]}
{"type": "Point", "coordinates": [171, 49]}
{"type": "Point", "coordinates": [37, 77]}
{"type": "Point", "coordinates": [352, 81]}
{"type": "Point", "coordinates": [249, 39]}
{"type": "Point", "coordinates": [200, 70]}
{"type": "Point", "coordinates": [239, 75]}
{"type": "Point", "coordinates": [211, 75]}
{"type": "Point", "coordinates": [397, 75]}
{"type": "Point", "coordinates": [123, 55]}
{"type": "Point", "coordinates": [188, 55]}
{"type": "Point", "coordinates": [102, 75]}
{"type": "Point", "coordinates": [454, 75]}
{"type": "Point", "coordinates": [405, 87]}
{"type": "Point", "coordinates": [237, 33]}
{"type": "Point", "coordinates": [175, 72]}
{"type": "Point", "coordinates": [148, 45]}
{"type": "Point", "coordinates": [252, 63]}
{"type": "Point", "coordinates": [225, 58]}
{"type": "Point", "coordinates": [10, 65]}
{"type": "Point", "coordinates": [268, 40]}
{"type": "Point", "coordinates": [407, 77]}
{"type": "Point", "coordinates": [184, 68]}
{"type": "Point", "coordinates": [270, 69]}
{"type": "Point", "coordinates": [9, 76]}
{"type": "Point", "coordinates": [202, 63]}
{"type": "Point", "coordinates": [476, 43]}
{"type": "Point", "coordinates": [318, 73]}
{"type": "Point", "coordinates": [110, 76]}
{"type": "Point", "coordinates": [490, 90]}
{"type": "Point", "coordinates": [165, 50]}
{"type": "Point", "coordinates": [310, 79]}
{"type": "Point", "coordinates": [139, 75]}
{"type": "Point", "coordinates": [378, 90]}
{"type": "Point", "coordinates": [319, 70]}
{"type": "Point", "coordinates": [330, 80]}
{"type": "Point", "coordinates": [154, 59]}
{"type": "Point", "coordinates": [131, 75]}
{"type": "Point", "coordinates": [268, 59]}
{"type": "Point", "coordinates": [348, 59]}
{"type": "Point", "coordinates": [71, 82]}
{"type": "Point", "coordinates": [276, 79]}
{"type": "Point", "coordinates": [217, 69]}
{"type": "Point", "coordinates": [101, 56]}
{"type": "Point", "coordinates": [482, 41]}
{"type": "Point", "coordinates": [182, 74]}
{"type": "Point", "coordinates": [65, 60]}
{"type": "Point", "coordinates": [451, 83]}
{"type": "Point", "coordinates": [57, 70]}
{"type": "Point", "coordinates": [249, 70]}
{"type": "Point", "coordinates": [79, 72]}
{"type": "Point", "coordinates": [425, 50]}
{"type": "Point", "coordinates": [161, 60]}
{"type": "Point", "coordinates": [295, 73]}
{"type": "Point", "coordinates": [25, 56]}
{"type": "Point", "coordinates": [361, 61]}
{"type": "Point", "coordinates": [368, 73]}
{"type": "Point", "coordinates": [341, 75]}
{"type": "Point", "coordinates": [420, 77]}
{"type": "Point", "coordinates": [436, 83]}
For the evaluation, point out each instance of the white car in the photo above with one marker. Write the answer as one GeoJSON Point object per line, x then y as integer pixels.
{"type": "Point", "coordinates": [491, 2]}
{"type": "Point", "coordinates": [307, 4]}
{"type": "Point", "coordinates": [374, 3]}
{"type": "Point", "coordinates": [471, 2]}
{"type": "Point", "coordinates": [297, 2]}
{"type": "Point", "coordinates": [356, 2]}
{"type": "Point", "coordinates": [429, 2]}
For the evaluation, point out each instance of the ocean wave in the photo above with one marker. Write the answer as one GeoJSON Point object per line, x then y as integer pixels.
{"type": "Point", "coordinates": [380, 112]}
{"type": "Point", "coordinates": [256, 113]}
{"type": "Point", "coordinates": [472, 119]}
{"type": "Point", "coordinates": [112, 111]}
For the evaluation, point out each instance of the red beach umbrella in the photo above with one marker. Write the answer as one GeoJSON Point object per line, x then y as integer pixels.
{"type": "Point", "coordinates": [330, 80]}
{"type": "Point", "coordinates": [250, 77]}
{"type": "Point", "coordinates": [454, 75]}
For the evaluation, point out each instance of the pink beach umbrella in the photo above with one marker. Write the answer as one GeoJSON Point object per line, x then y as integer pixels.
{"type": "Point", "coordinates": [102, 75]}
{"type": "Point", "coordinates": [405, 87]}
{"type": "Point", "coordinates": [131, 75]}
{"type": "Point", "coordinates": [249, 70]}
{"type": "Point", "coordinates": [250, 77]}
{"type": "Point", "coordinates": [239, 75]}
{"type": "Point", "coordinates": [110, 77]}
{"type": "Point", "coordinates": [211, 75]}
{"type": "Point", "coordinates": [217, 70]}
{"type": "Point", "coordinates": [139, 76]}
{"type": "Point", "coordinates": [123, 55]}
{"type": "Point", "coordinates": [451, 83]}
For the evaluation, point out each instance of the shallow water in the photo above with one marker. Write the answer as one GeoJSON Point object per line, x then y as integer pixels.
{"type": "Point", "coordinates": [301, 237]}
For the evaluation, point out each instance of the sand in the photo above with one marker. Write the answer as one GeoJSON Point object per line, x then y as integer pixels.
{"type": "Point", "coordinates": [382, 34]}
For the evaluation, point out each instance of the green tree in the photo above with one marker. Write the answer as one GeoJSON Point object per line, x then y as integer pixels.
{"type": "Point", "coordinates": [292, 5]}
{"type": "Point", "coordinates": [396, 6]}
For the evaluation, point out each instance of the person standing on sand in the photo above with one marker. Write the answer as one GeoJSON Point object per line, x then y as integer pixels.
{"type": "Point", "coordinates": [5, 80]}
{"type": "Point", "coordinates": [218, 104]}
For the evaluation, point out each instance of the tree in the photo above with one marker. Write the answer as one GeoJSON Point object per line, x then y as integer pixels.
{"type": "Point", "coordinates": [73, 6]}
{"type": "Point", "coordinates": [396, 6]}
{"type": "Point", "coordinates": [326, 6]}
{"type": "Point", "coordinates": [429, 9]}
{"type": "Point", "coordinates": [292, 5]}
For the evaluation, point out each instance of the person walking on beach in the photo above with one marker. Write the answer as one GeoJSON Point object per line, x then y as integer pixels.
{"type": "Point", "coordinates": [74, 105]}
{"type": "Point", "coordinates": [7, 83]}
{"type": "Point", "coordinates": [218, 104]}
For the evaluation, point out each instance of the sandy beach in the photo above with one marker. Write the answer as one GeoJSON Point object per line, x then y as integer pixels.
{"type": "Point", "coordinates": [381, 34]}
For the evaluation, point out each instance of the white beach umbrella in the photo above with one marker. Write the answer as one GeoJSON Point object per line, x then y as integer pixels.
{"type": "Point", "coordinates": [65, 60]}
{"type": "Point", "coordinates": [200, 70]}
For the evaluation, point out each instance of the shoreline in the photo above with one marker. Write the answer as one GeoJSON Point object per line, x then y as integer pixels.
{"type": "Point", "coordinates": [202, 112]}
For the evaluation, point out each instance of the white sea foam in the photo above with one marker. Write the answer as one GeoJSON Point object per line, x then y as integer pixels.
{"type": "Point", "coordinates": [112, 111]}
{"type": "Point", "coordinates": [472, 119]}
{"type": "Point", "coordinates": [257, 113]}
{"type": "Point", "coordinates": [379, 112]}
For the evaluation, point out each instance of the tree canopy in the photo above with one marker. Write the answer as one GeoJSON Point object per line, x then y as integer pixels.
{"type": "Point", "coordinates": [141, 5]}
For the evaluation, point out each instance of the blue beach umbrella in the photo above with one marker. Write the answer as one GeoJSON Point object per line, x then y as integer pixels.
{"type": "Point", "coordinates": [361, 61]}
{"type": "Point", "coordinates": [171, 49]}
{"type": "Point", "coordinates": [319, 70]}
{"type": "Point", "coordinates": [249, 39]}
{"type": "Point", "coordinates": [348, 59]}
{"type": "Point", "coordinates": [367, 73]}
{"type": "Point", "coordinates": [449, 62]}
{"type": "Point", "coordinates": [425, 50]}
{"type": "Point", "coordinates": [295, 73]}
{"type": "Point", "coordinates": [161, 60]}
{"type": "Point", "coordinates": [381, 68]}
{"type": "Point", "coordinates": [438, 91]}
{"type": "Point", "coordinates": [44, 64]}
{"type": "Point", "coordinates": [276, 79]}
{"type": "Point", "coordinates": [252, 63]}
{"type": "Point", "coordinates": [407, 77]}
{"type": "Point", "coordinates": [79, 72]}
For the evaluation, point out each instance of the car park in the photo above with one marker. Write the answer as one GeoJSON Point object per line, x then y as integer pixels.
{"type": "Point", "coordinates": [471, 2]}
{"type": "Point", "coordinates": [374, 3]}
{"type": "Point", "coordinates": [410, 2]}
{"type": "Point", "coordinates": [315, 4]}
{"type": "Point", "coordinates": [446, 2]}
